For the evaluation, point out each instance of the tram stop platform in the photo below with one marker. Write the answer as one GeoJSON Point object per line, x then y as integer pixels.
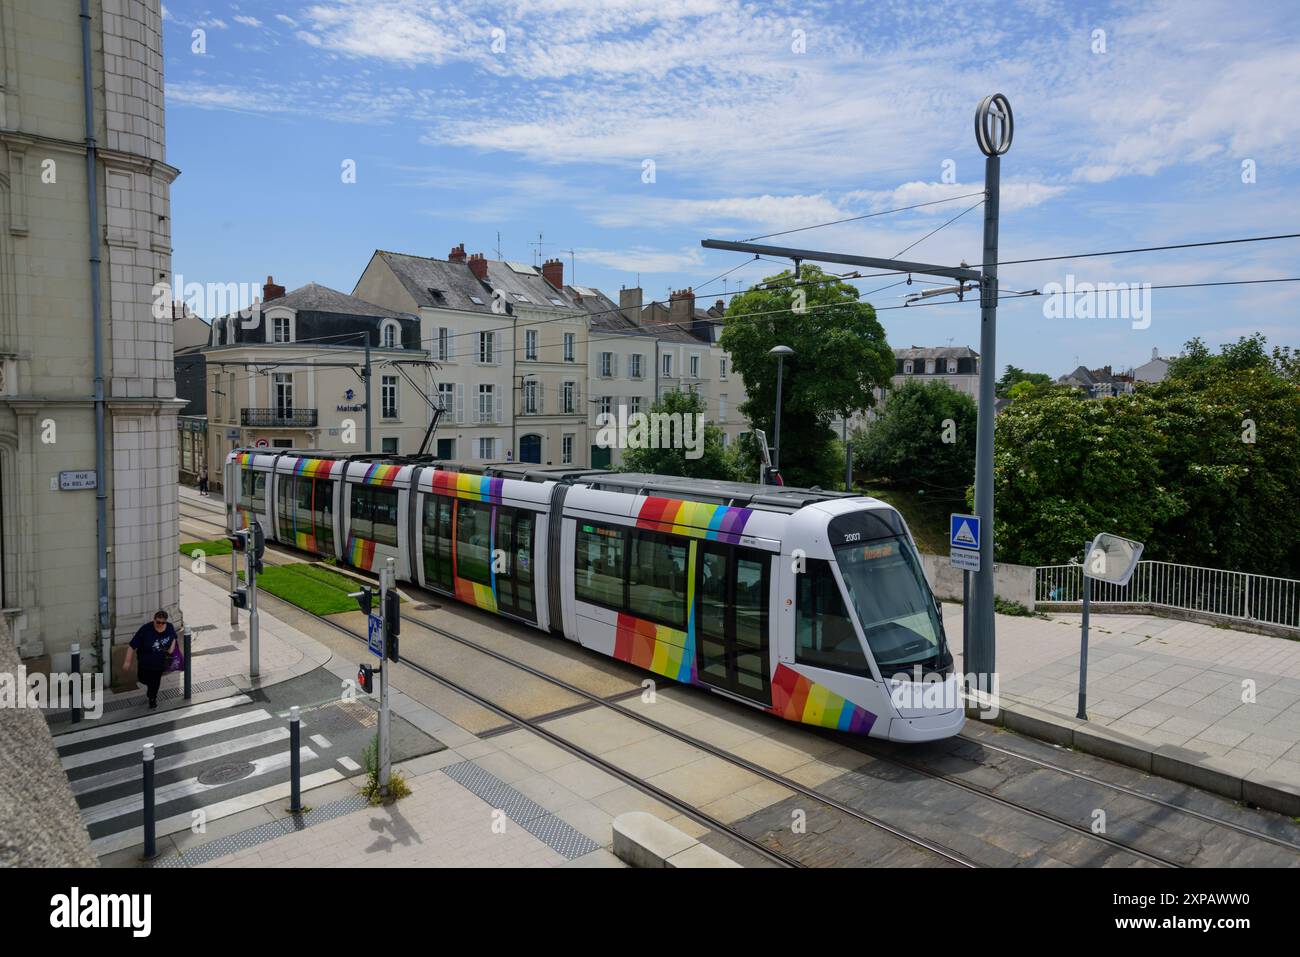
{"type": "Point", "coordinates": [1202, 704]}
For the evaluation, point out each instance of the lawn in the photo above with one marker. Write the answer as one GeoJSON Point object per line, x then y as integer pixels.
{"type": "Point", "coordinates": [310, 587]}
{"type": "Point", "coordinates": [220, 546]}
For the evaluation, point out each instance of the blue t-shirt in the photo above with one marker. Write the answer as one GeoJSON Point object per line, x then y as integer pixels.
{"type": "Point", "coordinates": [153, 647]}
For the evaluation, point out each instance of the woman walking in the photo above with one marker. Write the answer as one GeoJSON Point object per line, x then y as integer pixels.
{"type": "Point", "coordinates": [153, 643]}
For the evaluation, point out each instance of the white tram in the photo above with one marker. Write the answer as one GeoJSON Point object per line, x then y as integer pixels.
{"type": "Point", "coordinates": [810, 605]}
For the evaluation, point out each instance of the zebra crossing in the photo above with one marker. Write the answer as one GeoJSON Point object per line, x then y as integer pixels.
{"type": "Point", "coordinates": [211, 760]}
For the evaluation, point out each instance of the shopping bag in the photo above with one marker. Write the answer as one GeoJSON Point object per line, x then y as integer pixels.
{"type": "Point", "coordinates": [177, 661]}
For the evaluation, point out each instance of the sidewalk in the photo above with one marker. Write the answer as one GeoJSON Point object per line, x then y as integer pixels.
{"type": "Point", "coordinates": [1170, 696]}
{"type": "Point", "coordinates": [460, 813]}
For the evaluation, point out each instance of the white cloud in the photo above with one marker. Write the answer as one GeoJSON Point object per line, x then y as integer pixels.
{"type": "Point", "coordinates": [643, 259]}
{"type": "Point", "coordinates": [248, 21]}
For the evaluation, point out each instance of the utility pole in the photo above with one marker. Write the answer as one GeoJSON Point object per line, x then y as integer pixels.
{"type": "Point", "coordinates": [387, 580]}
{"type": "Point", "coordinates": [993, 132]}
{"type": "Point", "coordinates": [365, 374]}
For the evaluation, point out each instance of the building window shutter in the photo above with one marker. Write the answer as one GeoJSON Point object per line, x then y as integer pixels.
{"type": "Point", "coordinates": [613, 364]}
{"type": "Point", "coordinates": [460, 402]}
{"type": "Point", "coordinates": [496, 402]}
{"type": "Point", "coordinates": [541, 398]}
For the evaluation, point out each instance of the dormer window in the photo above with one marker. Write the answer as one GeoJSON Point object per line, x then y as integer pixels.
{"type": "Point", "coordinates": [929, 366]}
{"type": "Point", "coordinates": [390, 335]}
{"type": "Point", "coordinates": [907, 367]}
{"type": "Point", "coordinates": [280, 329]}
{"type": "Point", "coordinates": [952, 366]}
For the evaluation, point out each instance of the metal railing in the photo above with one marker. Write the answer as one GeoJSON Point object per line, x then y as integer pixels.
{"type": "Point", "coordinates": [278, 418]}
{"type": "Point", "coordinates": [1209, 591]}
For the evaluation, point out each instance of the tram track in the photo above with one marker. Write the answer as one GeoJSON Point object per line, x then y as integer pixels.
{"type": "Point", "coordinates": [863, 747]}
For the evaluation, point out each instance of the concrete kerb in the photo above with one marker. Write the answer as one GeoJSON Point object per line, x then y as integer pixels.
{"type": "Point", "coordinates": [1207, 772]}
{"type": "Point", "coordinates": [643, 840]}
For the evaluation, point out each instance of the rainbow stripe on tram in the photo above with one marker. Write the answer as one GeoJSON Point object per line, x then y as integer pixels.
{"type": "Point", "coordinates": [797, 698]}
{"type": "Point", "coordinates": [379, 474]}
{"type": "Point", "coordinates": [317, 468]}
{"type": "Point", "coordinates": [476, 488]}
{"type": "Point", "coordinates": [716, 523]}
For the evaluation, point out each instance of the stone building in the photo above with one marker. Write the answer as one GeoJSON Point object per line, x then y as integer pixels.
{"type": "Point", "coordinates": [85, 556]}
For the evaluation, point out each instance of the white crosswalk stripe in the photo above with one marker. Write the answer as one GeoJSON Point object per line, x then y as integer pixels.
{"type": "Point", "coordinates": [213, 759]}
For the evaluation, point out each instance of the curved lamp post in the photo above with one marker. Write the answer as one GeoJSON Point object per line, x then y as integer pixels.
{"type": "Point", "coordinates": [780, 352]}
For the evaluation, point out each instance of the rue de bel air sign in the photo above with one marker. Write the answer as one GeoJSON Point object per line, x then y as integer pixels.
{"type": "Point", "coordinates": [80, 479]}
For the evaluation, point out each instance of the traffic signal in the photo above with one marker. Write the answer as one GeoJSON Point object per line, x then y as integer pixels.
{"type": "Point", "coordinates": [392, 623]}
{"type": "Point", "coordinates": [238, 541]}
{"type": "Point", "coordinates": [239, 597]}
{"type": "Point", "coordinates": [366, 678]}
{"type": "Point", "coordinates": [259, 545]}
{"type": "Point", "coordinates": [365, 598]}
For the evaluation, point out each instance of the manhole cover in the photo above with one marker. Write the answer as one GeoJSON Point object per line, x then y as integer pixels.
{"type": "Point", "coordinates": [226, 773]}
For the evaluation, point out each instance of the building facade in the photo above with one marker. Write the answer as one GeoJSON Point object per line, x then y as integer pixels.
{"type": "Point", "coordinates": [287, 373]}
{"type": "Point", "coordinates": [58, 584]}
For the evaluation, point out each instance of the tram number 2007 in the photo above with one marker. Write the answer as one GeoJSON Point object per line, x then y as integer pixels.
{"type": "Point", "coordinates": [852, 537]}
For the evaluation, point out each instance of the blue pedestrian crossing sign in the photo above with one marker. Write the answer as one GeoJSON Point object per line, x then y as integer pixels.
{"type": "Point", "coordinates": [964, 532]}
{"type": "Point", "coordinates": [375, 635]}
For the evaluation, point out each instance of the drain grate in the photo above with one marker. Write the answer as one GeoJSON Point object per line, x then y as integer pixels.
{"type": "Point", "coordinates": [557, 834]}
{"type": "Point", "coordinates": [197, 628]}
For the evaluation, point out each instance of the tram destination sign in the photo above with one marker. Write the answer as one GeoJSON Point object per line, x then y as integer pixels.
{"type": "Point", "coordinates": [79, 479]}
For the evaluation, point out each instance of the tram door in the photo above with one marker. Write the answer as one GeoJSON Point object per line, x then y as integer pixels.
{"type": "Point", "coordinates": [731, 619]}
{"type": "Point", "coordinates": [514, 575]}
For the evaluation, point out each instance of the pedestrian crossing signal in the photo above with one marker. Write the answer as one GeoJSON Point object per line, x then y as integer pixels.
{"type": "Point", "coordinates": [366, 678]}
{"type": "Point", "coordinates": [238, 541]}
{"type": "Point", "coordinates": [239, 597]}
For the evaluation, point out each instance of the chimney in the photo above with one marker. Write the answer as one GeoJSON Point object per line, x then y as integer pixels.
{"type": "Point", "coordinates": [271, 291]}
{"type": "Point", "coordinates": [629, 303]}
{"type": "Point", "coordinates": [719, 309]}
{"type": "Point", "coordinates": [478, 266]}
{"type": "Point", "coordinates": [681, 308]}
{"type": "Point", "coordinates": [553, 272]}
{"type": "Point", "coordinates": [1155, 352]}
{"type": "Point", "coordinates": [457, 255]}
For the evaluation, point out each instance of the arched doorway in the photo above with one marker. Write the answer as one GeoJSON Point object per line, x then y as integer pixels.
{"type": "Point", "coordinates": [530, 448]}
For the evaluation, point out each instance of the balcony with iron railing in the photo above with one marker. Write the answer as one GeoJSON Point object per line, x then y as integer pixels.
{"type": "Point", "coordinates": [279, 418]}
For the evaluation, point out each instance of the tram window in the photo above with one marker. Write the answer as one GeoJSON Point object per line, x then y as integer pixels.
{"type": "Point", "coordinates": [657, 579]}
{"type": "Point", "coordinates": [598, 565]}
{"type": "Point", "coordinates": [284, 499]}
{"type": "Point", "coordinates": [437, 541]}
{"type": "Point", "coordinates": [255, 490]}
{"type": "Point", "coordinates": [374, 514]}
{"type": "Point", "coordinates": [824, 634]}
{"type": "Point", "coordinates": [474, 542]}
{"type": "Point", "coordinates": [322, 513]}
{"type": "Point", "coordinates": [751, 618]}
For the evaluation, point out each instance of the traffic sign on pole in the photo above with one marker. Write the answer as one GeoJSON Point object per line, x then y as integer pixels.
{"type": "Point", "coordinates": [964, 542]}
{"type": "Point", "coordinates": [375, 635]}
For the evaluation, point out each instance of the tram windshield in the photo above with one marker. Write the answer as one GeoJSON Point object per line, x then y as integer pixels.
{"type": "Point", "coordinates": [894, 604]}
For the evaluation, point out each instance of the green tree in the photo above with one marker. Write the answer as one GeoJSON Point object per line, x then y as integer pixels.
{"type": "Point", "coordinates": [1015, 376]}
{"type": "Point", "coordinates": [713, 464]}
{"type": "Point", "coordinates": [925, 439]}
{"type": "Point", "coordinates": [840, 356]}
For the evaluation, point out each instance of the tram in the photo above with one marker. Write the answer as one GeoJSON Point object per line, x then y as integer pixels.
{"type": "Point", "coordinates": [807, 604]}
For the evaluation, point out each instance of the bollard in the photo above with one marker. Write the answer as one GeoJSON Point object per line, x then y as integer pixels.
{"type": "Point", "coordinates": [150, 848]}
{"type": "Point", "coordinates": [295, 763]}
{"type": "Point", "coordinates": [76, 676]}
{"type": "Point", "coordinates": [185, 651]}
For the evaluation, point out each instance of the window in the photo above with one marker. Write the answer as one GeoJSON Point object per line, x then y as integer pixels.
{"type": "Point", "coordinates": [374, 514]}
{"type": "Point", "coordinates": [437, 540]}
{"type": "Point", "coordinates": [722, 407]}
{"type": "Point", "coordinates": [254, 492]}
{"type": "Point", "coordinates": [487, 348]}
{"type": "Point", "coordinates": [606, 365]}
{"type": "Point", "coordinates": [569, 397]}
{"type": "Point", "coordinates": [446, 448]}
{"type": "Point", "coordinates": [722, 367]}
{"type": "Point", "coordinates": [474, 542]}
{"type": "Point", "coordinates": [280, 329]}
{"type": "Point", "coordinates": [530, 397]}
{"type": "Point", "coordinates": [486, 403]}
{"type": "Point", "coordinates": [667, 364]}
{"type": "Point", "coordinates": [598, 565]}
{"type": "Point", "coordinates": [634, 365]}
{"type": "Point", "coordinates": [443, 351]}
{"type": "Point", "coordinates": [952, 366]}
{"type": "Point", "coordinates": [633, 404]}
{"type": "Point", "coordinates": [446, 397]}
{"type": "Point", "coordinates": [929, 366]}
{"type": "Point", "coordinates": [894, 605]}
{"type": "Point", "coordinates": [388, 396]}
{"type": "Point", "coordinates": [566, 450]}
{"type": "Point", "coordinates": [530, 344]}
{"type": "Point", "coordinates": [824, 634]}
{"type": "Point", "coordinates": [388, 445]}
{"type": "Point", "coordinates": [389, 339]}
{"type": "Point", "coordinates": [606, 406]}
{"type": "Point", "coordinates": [568, 346]}
{"type": "Point", "coordinates": [657, 578]}
{"type": "Point", "coordinates": [907, 367]}
{"type": "Point", "coordinates": [695, 367]}
{"type": "Point", "coordinates": [283, 388]}
{"type": "Point", "coordinates": [487, 449]}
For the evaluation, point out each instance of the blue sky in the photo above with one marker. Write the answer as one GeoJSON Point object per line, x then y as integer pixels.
{"type": "Point", "coordinates": [467, 119]}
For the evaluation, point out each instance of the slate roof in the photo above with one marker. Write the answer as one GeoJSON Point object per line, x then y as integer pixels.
{"type": "Point", "coordinates": [441, 284]}
{"type": "Point", "coordinates": [314, 297]}
{"type": "Point", "coordinates": [936, 352]}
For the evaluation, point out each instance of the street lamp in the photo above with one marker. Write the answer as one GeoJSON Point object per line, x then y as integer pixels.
{"type": "Point", "coordinates": [780, 352]}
